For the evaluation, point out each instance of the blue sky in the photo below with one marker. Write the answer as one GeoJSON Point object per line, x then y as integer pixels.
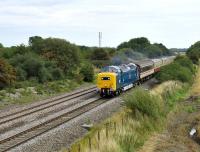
{"type": "Point", "coordinates": [174, 23]}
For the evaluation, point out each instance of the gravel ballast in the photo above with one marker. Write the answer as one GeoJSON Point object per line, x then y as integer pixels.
{"type": "Point", "coordinates": [68, 133]}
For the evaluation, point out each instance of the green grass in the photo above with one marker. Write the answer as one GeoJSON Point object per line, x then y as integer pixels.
{"type": "Point", "coordinates": [144, 102]}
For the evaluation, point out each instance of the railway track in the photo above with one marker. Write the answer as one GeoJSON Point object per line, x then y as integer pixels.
{"type": "Point", "coordinates": [44, 105]}
{"type": "Point", "coordinates": [23, 136]}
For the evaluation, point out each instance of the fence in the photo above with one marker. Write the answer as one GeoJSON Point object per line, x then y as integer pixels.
{"type": "Point", "coordinates": [92, 141]}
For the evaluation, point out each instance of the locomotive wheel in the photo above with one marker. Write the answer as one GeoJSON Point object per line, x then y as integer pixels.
{"type": "Point", "coordinates": [117, 93]}
{"type": "Point", "coordinates": [101, 95]}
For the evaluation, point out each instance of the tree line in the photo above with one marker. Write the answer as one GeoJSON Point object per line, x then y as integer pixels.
{"type": "Point", "coordinates": [50, 59]}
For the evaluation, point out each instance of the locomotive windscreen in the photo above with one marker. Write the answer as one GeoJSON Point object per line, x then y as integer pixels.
{"type": "Point", "coordinates": [105, 78]}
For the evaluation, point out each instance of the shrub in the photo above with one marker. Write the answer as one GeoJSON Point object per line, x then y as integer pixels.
{"type": "Point", "coordinates": [21, 74]}
{"type": "Point", "coordinates": [44, 75]}
{"type": "Point", "coordinates": [100, 54]}
{"type": "Point", "coordinates": [145, 103]}
{"type": "Point", "coordinates": [7, 74]}
{"type": "Point", "coordinates": [87, 71]}
{"type": "Point", "coordinates": [32, 65]}
{"type": "Point", "coordinates": [185, 62]}
{"type": "Point", "coordinates": [57, 74]}
{"type": "Point", "coordinates": [181, 69]}
{"type": "Point", "coordinates": [194, 52]}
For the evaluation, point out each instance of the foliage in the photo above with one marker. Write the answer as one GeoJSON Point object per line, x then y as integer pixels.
{"type": "Point", "coordinates": [144, 102]}
{"type": "Point", "coordinates": [87, 71]}
{"type": "Point", "coordinates": [153, 51]}
{"type": "Point", "coordinates": [144, 46]}
{"type": "Point", "coordinates": [44, 59]}
{"type": "Point", "coordinates": [100, 54]}
{"type": "Point", "coordinates": [164, 49]}
{"type": "Point", "coordinates": [30, 65]}
{"type": "Point", "coordinates": [194, 52]}
{"type": "Point", "coordinates": [181, 69]}
{"type": "Point", "coordinates": [135, 44]}
{"type": "Point", "coordinates": [1, 45]}
{"type": "Point", "coordinates": [65, 55]}
{"type": "Point", "coordinates": [7, 74]}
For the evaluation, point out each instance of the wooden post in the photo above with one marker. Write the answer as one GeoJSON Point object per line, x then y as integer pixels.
{"type": "Point", "coordinates": [90, 145]}
{"type": "Point", "coordinates": [99, 138]}
{"type": "Point", "coordinates": [115, 126]}
{"type": "Point", "coordinates": [107, 130]}
{"type": "Point", "coordinates": [79, 148]}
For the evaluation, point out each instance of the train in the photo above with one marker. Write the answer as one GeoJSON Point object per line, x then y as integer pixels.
{"type": "Point", "coordinates": [113, 80]}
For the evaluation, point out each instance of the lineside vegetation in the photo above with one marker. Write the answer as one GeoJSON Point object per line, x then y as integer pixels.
{"type": "Point", "coordinates": [146, 112]}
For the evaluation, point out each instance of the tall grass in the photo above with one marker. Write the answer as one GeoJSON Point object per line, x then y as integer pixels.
{"type": "Point", "coordinates": [146, 103]}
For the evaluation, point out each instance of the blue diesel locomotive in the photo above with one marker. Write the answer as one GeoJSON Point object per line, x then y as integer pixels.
{"type": "Point", "coordinates": [112, 80]}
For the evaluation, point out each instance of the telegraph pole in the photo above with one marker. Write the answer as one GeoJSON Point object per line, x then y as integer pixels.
{"type": "Point", "coordinates": [100, 39]}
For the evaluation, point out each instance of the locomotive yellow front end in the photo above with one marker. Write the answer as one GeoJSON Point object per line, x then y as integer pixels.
{"type": "Point", "coordinates": [106, 83]}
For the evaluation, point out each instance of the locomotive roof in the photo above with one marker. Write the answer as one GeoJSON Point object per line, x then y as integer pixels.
{"type": "Point", "coordinates": [124, 68]}
{"type": "Point", "coordinates": [112, 68]}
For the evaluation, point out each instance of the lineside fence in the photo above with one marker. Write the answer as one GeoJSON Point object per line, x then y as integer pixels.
{"type": "Point", "coordinates": [93, 141]}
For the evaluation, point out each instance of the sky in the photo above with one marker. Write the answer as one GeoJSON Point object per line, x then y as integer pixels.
{"type": "Point", "coordinates": [175, 23]}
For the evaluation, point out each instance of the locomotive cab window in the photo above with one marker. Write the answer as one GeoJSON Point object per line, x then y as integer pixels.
{"type": "Point", "coordinates": [105, 78]}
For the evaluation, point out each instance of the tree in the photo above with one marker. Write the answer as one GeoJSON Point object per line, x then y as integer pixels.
{"type": "Point", "coordinates": [35, 43]}
{"type": "Point", "coordinates": [153, 51]}
{"type": "Point", "coordinates": [163, 48]}
{"type": "Point", "coordinates": [87, 71]}
{"type": "Point", "coordinates": [65, 54]}
{"type": "Point", "coordinates": [100, 54]}
{"type": "Point", "coordinates": [1, 45]}
{"type": "Point", "coordinates": [137, 44]}
{"type": "Point", "coordinates": [194, 52]}
{"type": "Point", "coordinates": [7, 74]}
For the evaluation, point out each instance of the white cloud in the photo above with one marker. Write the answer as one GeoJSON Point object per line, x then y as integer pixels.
{"type": "Point", "coordinates": [174, 23]}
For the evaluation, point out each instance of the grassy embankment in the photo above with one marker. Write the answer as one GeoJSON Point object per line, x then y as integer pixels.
{"type": "Point", "coordinates": [145, 113]}
{"type": "Point", "coordinates": [143, 117]}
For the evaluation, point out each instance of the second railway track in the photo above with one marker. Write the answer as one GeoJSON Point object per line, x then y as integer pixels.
{"type": "Point", "coordinates": [44, 105]}
{"type": "Point", "coordinates": [41, 128]}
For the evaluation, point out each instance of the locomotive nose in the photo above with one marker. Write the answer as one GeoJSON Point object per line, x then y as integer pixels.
{"type": "Point", "coordinates": [106, 81]}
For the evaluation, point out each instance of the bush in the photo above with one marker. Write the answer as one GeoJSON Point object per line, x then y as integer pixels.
{"type": "Point", "coordinates": [57, 74]}
{"type": "Point", "coordinates": [181, 69]}
{"type": "Point", "coordinates": [145, 103]}
{"type": "Point", "coordinates": [185, 62]}
{"type": "Point", "coordinates": [194, 52]}
{"type": "Point", "coordinates": [7, 74]}
{"type": "Point", "coordinates": [21, 74]}
{"type": "Point", "coordinates": [100, 54]}
{"type": "Point", "coordinates": [87, 71]}
{"type": "Point", "coordinates": [44, 75]}
{"type": "Point", "coordinates": [31, 65]}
